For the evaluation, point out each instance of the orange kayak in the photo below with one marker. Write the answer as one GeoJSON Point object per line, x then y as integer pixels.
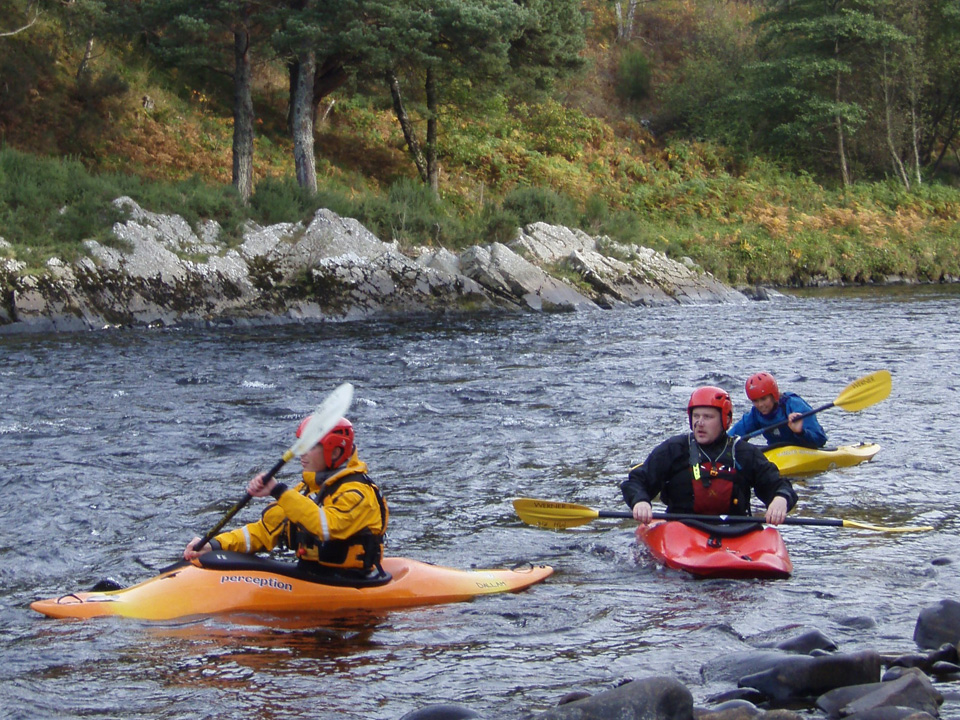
{"type": "Point", "coordinates": [236, 583]}
{"type": "Point", "coordinates": [743, 550]}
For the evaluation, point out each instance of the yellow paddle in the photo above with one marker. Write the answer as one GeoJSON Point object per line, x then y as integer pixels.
{"type": "Point", "coordinates": [562, 515]}
{"type": "Point", "coordinates": [861, 393]}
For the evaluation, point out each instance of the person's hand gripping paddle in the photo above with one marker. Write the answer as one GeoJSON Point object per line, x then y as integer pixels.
{"type": "Point", "coordinates": [334, 406]}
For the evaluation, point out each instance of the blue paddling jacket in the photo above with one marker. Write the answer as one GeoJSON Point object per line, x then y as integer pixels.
{"type": "Point", "coordinates": [812, 435]}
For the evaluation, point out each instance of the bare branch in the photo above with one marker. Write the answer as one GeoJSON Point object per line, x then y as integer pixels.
{"type": "Point", "coordinates": [34, 4]}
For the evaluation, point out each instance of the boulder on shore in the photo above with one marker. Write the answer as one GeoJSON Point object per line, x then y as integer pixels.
{"type": "Point", "coordinates": [159, 271]}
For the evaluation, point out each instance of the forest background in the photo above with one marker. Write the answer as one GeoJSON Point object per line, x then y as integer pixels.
{"type": "Point", "coordinates": [783, 143]}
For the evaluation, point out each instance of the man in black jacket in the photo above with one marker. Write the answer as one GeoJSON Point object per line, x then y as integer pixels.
{"type": "Point", "coordinates": [705, 471]}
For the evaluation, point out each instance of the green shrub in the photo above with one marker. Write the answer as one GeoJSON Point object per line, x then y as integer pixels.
{"type": "Point", "coordinates": [95, 90]}
{"type": "Point", "coordinates": [49, 206]}
{"type": "Point", "coordinates": [596, 213]}
{"type": "Point", "coordinates": [536, 204]}
{"type": "Point", "coordinates": [277, 200]}
{"type": "Point", "coordinates": [625, 227]}
{"type": "Point", "coordinates": [409, 213]}
{"type": "Point", "coordinates": [499, 224]}
{"type": "Point", "coordinates": [633, 75]}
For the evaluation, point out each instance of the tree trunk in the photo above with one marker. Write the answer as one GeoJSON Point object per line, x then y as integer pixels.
{"type": "Point", "coordinates": [915, 137]}
{"type": "Point", "coordinates": [327, 77]}
{"type": "Point", "coordinates": [625, 24]}
{"type": "Point", "coordinates": [301, 114]}
{"type": "Point", "coordinates": [888, 119]}
{"type": "Point", "coordinates": [409, 134]}
{"type": "Point", "coordinates": [87, 54]}
{"type": "Point", "coordinates": [433, 169]}
{"type": "Point", "coordinates": [915, 79]}
{"type": "Point", "coordinates": [243, 117]}
{"type": "Point", "coordinates": [944, 149]}
{"type": "Point", "coordinates": [841, 151]}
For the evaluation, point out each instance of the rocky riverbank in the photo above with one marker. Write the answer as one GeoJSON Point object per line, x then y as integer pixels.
{"type": "Point", "coordinates": [162, 272]}
{"type": "Point", "coordinates": [801, 677]}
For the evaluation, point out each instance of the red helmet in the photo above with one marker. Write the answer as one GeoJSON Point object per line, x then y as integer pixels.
{"type": "Point", "coordinates": [762, 384]}
{"type": "Point", "coordinates": [714, 397]}
{"type": "Point", "coordinates": [340, 437]}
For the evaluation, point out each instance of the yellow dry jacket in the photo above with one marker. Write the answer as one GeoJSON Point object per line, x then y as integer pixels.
{"type": "Point", "coordinates": [341, 526]}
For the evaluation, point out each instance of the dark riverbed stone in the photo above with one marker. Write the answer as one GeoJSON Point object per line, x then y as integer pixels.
{"type": "Point", "coordinates": [738, 695]}
{"type": "Point", "coordinates": [938, 624]}
{"type": "Point", "coordinates": [912, 690]}
{"type": "Point", "coordinates": [896, 672]}
{"type": "Point", "coordinates": [807, 643]}
{"type": "Point", "coordinates": [655, 698]}
{"type": "Point", "coordinates": [441, 711]}
{"type": "Point", "coordinates": [797, 677]}
{"type": "Point", "coordinates": [858, 622]}
{"type": "Point", "coordinates": [573, 697]}
{"type": "Point", "coordinates": [730, 710]}
{"type": "Point", "coordinates": [891, 713]}
{"type": "Point", "coordinates": [733, 666]}
{"type": "Point", "coordinates": [944, 668]}
{"type": "Point", "coordinates": [946, 654]}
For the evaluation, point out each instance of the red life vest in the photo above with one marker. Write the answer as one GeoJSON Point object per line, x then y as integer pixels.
{"type": "Point", "coordinates": [713, 480]}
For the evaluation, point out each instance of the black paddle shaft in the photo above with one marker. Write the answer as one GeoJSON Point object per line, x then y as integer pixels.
{"type": "Point", "coordinates": [825, 522]}
{"type": "Point", "coordinates": [238, 507]}
{"type": "Point", "coordinates": [787, 421]}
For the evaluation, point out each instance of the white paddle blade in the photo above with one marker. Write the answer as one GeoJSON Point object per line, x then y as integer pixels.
{"type": "Point", "coordinates": [323, 419]}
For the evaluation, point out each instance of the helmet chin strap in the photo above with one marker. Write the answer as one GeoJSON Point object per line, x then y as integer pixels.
{"type": "Point", "coordinates": [337, 458]}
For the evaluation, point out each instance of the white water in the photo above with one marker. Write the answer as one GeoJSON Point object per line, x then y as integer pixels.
{"type": "Point", "coordinates": [118, 447]}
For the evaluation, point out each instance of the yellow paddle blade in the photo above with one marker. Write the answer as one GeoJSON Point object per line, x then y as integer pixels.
{"type": "Point", "coordinates": [882, 528]}
{"type": "Point", "coordinates": [865, 391]}
{"type": "Point", "coordinates": [553, 515]}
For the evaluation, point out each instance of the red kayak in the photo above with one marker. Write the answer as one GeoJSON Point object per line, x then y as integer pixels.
{"type": "Point", "coordinates": [741, 550]}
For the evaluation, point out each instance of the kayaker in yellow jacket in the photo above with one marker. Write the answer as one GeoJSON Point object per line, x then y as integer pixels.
{"type": "Point", "coordinates": [335, 519]}
{"type": "Point", "coordinates": [705, 471]}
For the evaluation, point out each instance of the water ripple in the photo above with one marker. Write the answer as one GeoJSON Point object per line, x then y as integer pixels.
{"type": "Point", "coordinates": [122, 445]}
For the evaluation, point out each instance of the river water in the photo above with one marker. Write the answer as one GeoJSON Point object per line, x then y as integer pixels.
{"type": "Point", "coordinates": [119, 446]}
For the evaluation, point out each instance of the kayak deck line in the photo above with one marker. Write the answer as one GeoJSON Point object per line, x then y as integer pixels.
{"type": "Point", "coordinates": [248, 586]}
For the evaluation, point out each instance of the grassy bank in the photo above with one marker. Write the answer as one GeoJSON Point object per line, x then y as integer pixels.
{"type": "Point", "coordinates": [762, 227]}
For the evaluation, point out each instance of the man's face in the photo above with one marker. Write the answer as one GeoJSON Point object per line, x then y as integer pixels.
{"type": "Point", "coordinates": [312, 460]}
{"type": "Point", "coordinates": [707, 425]}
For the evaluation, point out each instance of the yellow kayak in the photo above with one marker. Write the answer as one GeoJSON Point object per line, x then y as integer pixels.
{"type": "Point", "coordinates": [795, 460]}
{"type": "Point", "coordinates": [236, 583]}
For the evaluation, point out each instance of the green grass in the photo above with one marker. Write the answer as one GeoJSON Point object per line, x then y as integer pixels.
{"type": "Point", "coordinates": [763, 228]}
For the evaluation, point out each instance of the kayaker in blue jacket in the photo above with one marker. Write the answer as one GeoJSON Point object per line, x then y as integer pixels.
{"type": "Point", "coordinates": [771, 407]}
{"type": "Point", "coordinates": [334, 520]}
{"type": "Point", "coordinates": [705, 471]}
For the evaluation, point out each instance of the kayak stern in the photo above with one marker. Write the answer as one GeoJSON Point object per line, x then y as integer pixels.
{"type": "Point", "coordinates": [793, 460]}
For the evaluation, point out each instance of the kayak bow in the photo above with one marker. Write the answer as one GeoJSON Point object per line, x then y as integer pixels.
{"type": "Point", "coordinates": [793, 460]}
{"type": "Point", "coordinates": [223, 582]}
{"type": "Point", "coordinates": [711, 551]}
